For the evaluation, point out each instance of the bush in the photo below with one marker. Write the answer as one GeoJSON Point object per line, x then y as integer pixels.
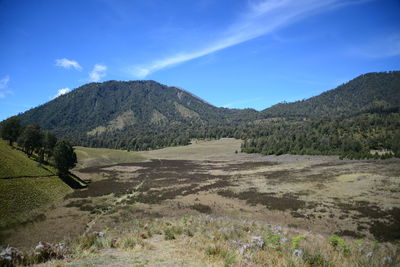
{"type": "Point", "coordinates": [339, 244]}
{"type": "Point", "coordinates": [273, 240]}
{"type": "Point", "coordinates": [296, 241]}
{"type": "Point", "coordinates": [170, 232]}
{"type": "Point", "coordinates": [129, 242]}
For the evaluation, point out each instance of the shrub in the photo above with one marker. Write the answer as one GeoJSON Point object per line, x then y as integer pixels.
{"type": "Point", "coordinates": [339, 244]}
{"type": "Point", "coordinates": [296, 241]}
{"type": "Point", "coordinates": [272, 239]}
{"type": "Point", "coordinates": [229, 258]}
{"type": "Point", "coordinates": [129, 242]}
{"type": "Point", "coordinates": [315, 259]}
{"type": "Point", "coordinates": [170, 232]}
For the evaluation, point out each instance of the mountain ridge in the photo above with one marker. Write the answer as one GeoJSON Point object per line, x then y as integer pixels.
{"type": "Point", "coordinates": [146, 114]}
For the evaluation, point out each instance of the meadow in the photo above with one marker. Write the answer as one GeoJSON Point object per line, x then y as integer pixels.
{"type": "Point", "coordinates": [204, 202]}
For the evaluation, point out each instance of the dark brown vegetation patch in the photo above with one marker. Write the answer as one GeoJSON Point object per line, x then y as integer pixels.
{"type": "Point", "coordinates": [155, 180]}
{"type": "Point", "coordinates": [248, 165]}
{"type": "Point", "coordinates": [201, 208]}
{"type": "Point", "coordinates": [284, 202]}
{"type": "Point", "coordinates": [384, 225]}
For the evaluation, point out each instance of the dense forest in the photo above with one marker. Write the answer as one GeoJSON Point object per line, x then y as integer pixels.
{"type": "Point", "coordinates": [358, 119]}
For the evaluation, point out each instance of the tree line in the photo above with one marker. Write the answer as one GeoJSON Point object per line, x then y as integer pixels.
{"type": "Point", "coordinates": [42, 145]}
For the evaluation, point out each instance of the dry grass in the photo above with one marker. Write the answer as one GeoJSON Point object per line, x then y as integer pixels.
{"type": "Point", "coordinates": [221, 241]}
{"type": "Point", "coordinates": [317, 194]}
{"type": "Point", "coordinates": [88, 157]}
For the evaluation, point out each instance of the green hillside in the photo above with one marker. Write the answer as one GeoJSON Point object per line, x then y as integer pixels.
{"type": "Point", "coordinates": [114, 113]}
{"type": "Point", "coordinates": [14, 163]}
{"type": "Point", "coordinates": [24, 199]}
{"type": "Point", "coordinates": [368, 91]}
{"type": "Point", "coordinates": [358, 116]}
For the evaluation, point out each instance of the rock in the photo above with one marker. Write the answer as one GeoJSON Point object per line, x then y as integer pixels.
{"type": "Point", "coordinates": [10, 255]}
{"type": "Point", "coordinates": [257, 241]}
{"type": "Point", "coordinates": [277, 229]}
{"type": "Point", "coordinates": [369, 254]}
{"type": "Point", "coordinates": [99, 234]}
{"type": "Point", "coordinates": [243, 248]}
{"type": "Point", "coordinates": [387, 259]}
{"type": "Point", "coordinates": [45, 251]}
{"type": "Point", "coordinates": [297, 252]}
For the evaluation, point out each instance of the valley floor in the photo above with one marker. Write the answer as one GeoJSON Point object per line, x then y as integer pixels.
{"type": "Point", "coordinates": [306, 194]}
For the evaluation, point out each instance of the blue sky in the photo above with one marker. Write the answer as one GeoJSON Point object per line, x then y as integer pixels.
{"type": "Point", "coordinates": [232, 53]}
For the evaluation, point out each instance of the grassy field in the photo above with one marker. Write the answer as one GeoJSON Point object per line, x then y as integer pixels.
{"type": "Point", "coordinates": [26, 188]}
{"type": "Point", "coordinates": [27, 198]}
{"type": "Point", "coordinates": [15, 163]}
{"type": "Point", "coordinates": [88, 157]}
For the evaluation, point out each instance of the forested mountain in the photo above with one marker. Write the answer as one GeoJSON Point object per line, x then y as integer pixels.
{"type": "Point", "coordinates": [368, 91]}
{"type": "Point", "coordinates": [114, 113]}
{"type": "Point", "coordinates": [356, 117]}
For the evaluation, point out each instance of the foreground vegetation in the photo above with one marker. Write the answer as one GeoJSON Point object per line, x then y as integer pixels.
{"type": "Point", "coordinates": [214, 241]}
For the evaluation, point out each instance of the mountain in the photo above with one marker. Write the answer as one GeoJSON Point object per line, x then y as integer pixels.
{"type": "Point", "coordinates": [368, 91]}
{"type": "Point", "coordinates": [137, 115]}
{"type": "Point", "coordinates": [113, 113]}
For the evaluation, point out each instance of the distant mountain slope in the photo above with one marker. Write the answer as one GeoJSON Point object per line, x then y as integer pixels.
{"type": "Point", "coordinates": [368, 91]}
{"type": "Point", "coordinates": [98, 112]}
{"type": "Point", "coordinates": [140, 115]}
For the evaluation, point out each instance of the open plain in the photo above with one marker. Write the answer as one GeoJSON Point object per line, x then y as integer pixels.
{"type": "Point", "coordinates": [322, 194]}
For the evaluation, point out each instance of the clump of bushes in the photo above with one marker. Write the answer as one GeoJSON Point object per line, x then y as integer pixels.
{"type": "Point", "coordinates": [339, 244]}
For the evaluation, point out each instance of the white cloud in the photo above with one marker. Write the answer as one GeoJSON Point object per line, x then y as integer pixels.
{"type": "Point", "coordinates": [262, 17]}
{"type": "Point", "coordinates": [66, 63]}
{"type": "Point", "coordinates": [3, 85]}
{"type": "Point", "coordinates": [4, 82]}
{"type": "Point", "coordinates": [98, 72]}
{"type": "Point", "coordinates": [62, 91]}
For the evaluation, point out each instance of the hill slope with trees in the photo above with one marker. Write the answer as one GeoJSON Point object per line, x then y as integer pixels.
{"type": "Point", "coordinates": [358, 116]}
{"type": "Point", "coordinates": [368, 91]}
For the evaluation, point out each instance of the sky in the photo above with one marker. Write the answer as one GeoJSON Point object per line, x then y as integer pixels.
{"type": "Point", "coordinates": [231, 53]}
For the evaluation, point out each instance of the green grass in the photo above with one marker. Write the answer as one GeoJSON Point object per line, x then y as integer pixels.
{"type": "Point", "coordinates": [88, 157]}
{"type": "Point", "coordinates": [15, 163]}
{"type": "Point", "coordinates": [24, 199]}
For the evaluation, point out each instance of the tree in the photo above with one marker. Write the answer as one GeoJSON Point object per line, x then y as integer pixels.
{"type": "Point", "coordinates": [64, 156]}
{"type": "Point", "coordinates": [49, 142]}
{"type": "Point", "coordinates": [31, 139]}
{"type": "Point", "coordinates": [11, 129]}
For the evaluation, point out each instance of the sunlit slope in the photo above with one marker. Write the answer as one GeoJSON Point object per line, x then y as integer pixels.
{"type": "Point", "coordinates": [88, 157]}
{"type": "Point", "coordinates": [26, 189]}
{"type": "Point", "coordinates": [15, 163]}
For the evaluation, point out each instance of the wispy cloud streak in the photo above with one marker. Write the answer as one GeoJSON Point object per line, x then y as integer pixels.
{"type": "Point", "coordinates": [385, 46]}
{"type": "Point", "coordinates": [3, 86]}
{"type": "Point", "coordinates": [262, 17]}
